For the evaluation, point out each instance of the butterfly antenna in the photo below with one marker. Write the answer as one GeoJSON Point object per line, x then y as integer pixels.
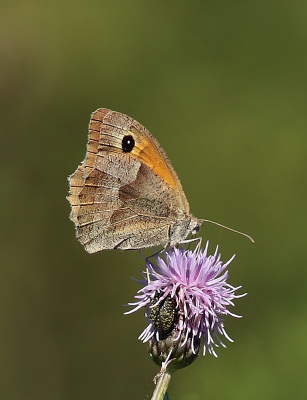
{"type": "Point", "coordinates": [230, 229]}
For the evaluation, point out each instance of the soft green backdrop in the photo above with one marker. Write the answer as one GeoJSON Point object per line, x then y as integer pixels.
{"type": "Point", "coordinates": [223, 87]}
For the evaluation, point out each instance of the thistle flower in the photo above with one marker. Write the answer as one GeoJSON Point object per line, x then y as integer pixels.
{"type": "Point", "coordinates": [185, 296]}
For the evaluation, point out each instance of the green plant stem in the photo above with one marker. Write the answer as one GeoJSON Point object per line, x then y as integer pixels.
{"type": "Point", "coordinates": [161, 386]}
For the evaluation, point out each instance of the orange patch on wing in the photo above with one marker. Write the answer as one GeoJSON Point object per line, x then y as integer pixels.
{"type": "Point", "coordinates": [149, 155]}
{"type": "Point", "coordinates": [145, 150]}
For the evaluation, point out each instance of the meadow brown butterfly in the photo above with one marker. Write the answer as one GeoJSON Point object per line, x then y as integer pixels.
{"type": "Point", "coordinates": [126, 193]}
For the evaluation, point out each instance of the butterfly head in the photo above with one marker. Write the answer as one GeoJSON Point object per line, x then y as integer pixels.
{"type": "Point", "coordinates": [195, 225]}
{"type": "Point", "coordinates": [185, 225]}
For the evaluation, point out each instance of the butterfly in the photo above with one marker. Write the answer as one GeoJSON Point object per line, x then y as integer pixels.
{"type": "Point", "coordinates": [126, 193]}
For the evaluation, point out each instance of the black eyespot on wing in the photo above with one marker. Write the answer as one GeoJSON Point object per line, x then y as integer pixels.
{"type": "Point", "coordinates": [128, 143]}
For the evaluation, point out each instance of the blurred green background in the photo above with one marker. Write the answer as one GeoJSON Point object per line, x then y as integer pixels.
{"type": "Point", "coordinates": [223, 87]}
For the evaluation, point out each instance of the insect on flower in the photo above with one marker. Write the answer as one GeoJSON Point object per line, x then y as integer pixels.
{"type": "Point", "coordinates": [186, 297]}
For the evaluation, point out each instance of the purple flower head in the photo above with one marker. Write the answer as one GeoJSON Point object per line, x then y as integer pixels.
{"type": "Point", "coordinates": [186, 298]}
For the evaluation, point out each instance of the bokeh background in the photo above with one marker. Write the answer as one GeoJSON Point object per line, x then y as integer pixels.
{"type": "Point", "coordinates": [223, 87]}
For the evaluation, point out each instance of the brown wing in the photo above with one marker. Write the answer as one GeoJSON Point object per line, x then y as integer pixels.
{"type": "Point", "coordinates": [111, 126]}
{"type": "Point", "coordinates": [123, 200]}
